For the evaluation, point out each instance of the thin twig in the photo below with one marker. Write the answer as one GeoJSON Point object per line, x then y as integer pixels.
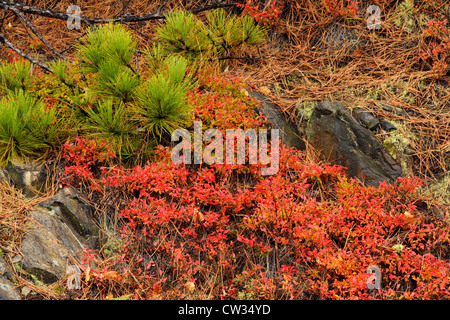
{"type": "Point", "coordinates": [72, 43]}
{"type": "Point", "coordinates": [252, 59]}
{"type": "Point", "coordinates": [124, 6]}
{"type": "Point", "coordinates": [23, 54]}
{"type": "Point", "coordinates": [33, 29]}
{"type": "Point", "coordinates": [139, 32]}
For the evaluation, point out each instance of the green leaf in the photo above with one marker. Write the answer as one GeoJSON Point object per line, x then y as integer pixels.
{"type": "Point", "coordinates": [111, 122]}
{"type": "Point", "coordinates": [162, 106]}
{"type": "Point", "coordinates": [15, 76]}
{"type": "Point", "coordinates": [183, 33]}
{"type": "Point", "coordinates": [27, 127]}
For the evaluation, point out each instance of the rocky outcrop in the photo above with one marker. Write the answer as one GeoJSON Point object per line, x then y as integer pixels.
{"type": "Point", "coordinates": [342, 140]}
{"type": "Point", "coordinates": [57, 229]}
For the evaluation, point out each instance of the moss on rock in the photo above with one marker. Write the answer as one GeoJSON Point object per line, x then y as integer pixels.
{"type": "Point", "coordinates": [398, 144]}
{"type": "Point", "coordinates": [306, 108]}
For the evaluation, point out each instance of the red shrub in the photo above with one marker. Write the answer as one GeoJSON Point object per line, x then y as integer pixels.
{"type": "Point", "coordinates": [267, 16]}
{"type": "Point", "coordinates": [342, 8]}
{"type": "Point", "coordinates": [307, 232]}
{"type": "Point", "coordinates": [83, 156]}
{"type": "Point", "coordinates": [437, 53]}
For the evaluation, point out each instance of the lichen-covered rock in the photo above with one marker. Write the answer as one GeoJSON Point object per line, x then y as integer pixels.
{"type": "Point", "coordinates": [398, 144]}
{"type": "Point", "coordinates": [306, 109]}
{"type": "Point", "coordinates": [407, 17]}
{"type": "Point", "coordinates": [342, 140]}
{"type": "Point", "coordinates": [30, 177]}
{"type": "Point", "coordinates": [440, 190]}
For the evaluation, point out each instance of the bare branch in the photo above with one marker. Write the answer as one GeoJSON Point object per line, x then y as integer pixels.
{"type": "Point", "coordinates": [23, 54]}
{"type": "Point", "coordinates": [139, 32]}
{"type": "Point", "coordinates": [212, 6]}
{"type": "Point", "coordinates": [124, 6]}
{"type": "Point", "coordinates": [33, 29]}
{"type": "Point", "coordinates": [6, 5]}
{"type": "Point", "coordinates": [251, 59]}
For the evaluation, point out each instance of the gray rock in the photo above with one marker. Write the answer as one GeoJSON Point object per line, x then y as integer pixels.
{"type": "Point", "coordinates": [392, 109]}
{"type": "Point", "coordinates": [7, 290]}
{"type": "Point", "coordinates": [342, 140]}
{"type": "Point", "coordinates": [4, 269]}
{"type": "Point", "coordinates": [74, 212]}
{"type": "Point", "coordinates": [28, 177]}
{"type": "Point", "coordinates": [288, 131]}
{"type": "Point", "coordinates": [45, 254]}
{"type": "Point", "coordinates": [367, 119]}
{"type": "Point", "coordinates": [57, 229]}
{"type": "Point", "coordinates": [387, 126]}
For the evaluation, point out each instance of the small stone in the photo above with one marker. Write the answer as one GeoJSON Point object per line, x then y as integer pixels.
{"type": "Point", "coordinates": [25, 291]}
{"type": "Point", "coordinates": [392, 109]}
{"type": "Point", "coordinates": [387, 126]}
{"type": "Point", "coordinates": [366, 118]}
{"type": "Point", "coordinates": [190, 286]}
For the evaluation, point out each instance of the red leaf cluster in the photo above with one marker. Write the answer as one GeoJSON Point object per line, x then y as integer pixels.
{"type": "Point", "coordinates": [268, 16]}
